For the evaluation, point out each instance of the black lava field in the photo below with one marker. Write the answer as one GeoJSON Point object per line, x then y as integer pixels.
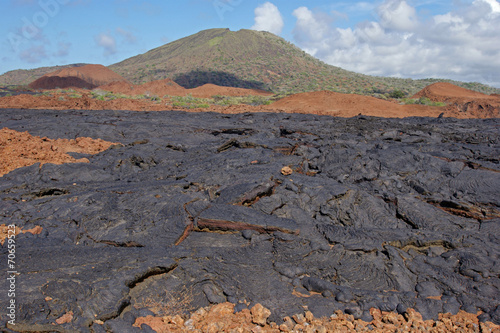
{"type": "Point", "coordinates": [385, 213]}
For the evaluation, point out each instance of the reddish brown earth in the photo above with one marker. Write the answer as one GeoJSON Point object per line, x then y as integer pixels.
{"type": "Point", "coordinates": [19, 149]}
{"type": "Point", "coordinates": [443, 91]}
{"type": "Point", "coordinates": [160, 88]}
{"type": "Point", "coordinates": [4, 231]}
{"type": "Point", "coordinates": [221, 318]}
{"type": "Point", "coordinates": [88, 77]}
{"type": "Point", "coordinates": [168, 87]}
{"type": "Point", "coordinates": [64, 101]}
{"type": "Point", "coordinates": [462, 101]}
{"type": "Point", "coordinates": [350, 105]}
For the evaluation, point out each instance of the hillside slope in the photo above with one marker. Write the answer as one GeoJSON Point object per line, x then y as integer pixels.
{"type": "Point", "coordinates": [26, 76]}
{"type": "Point", "coordinates": [257, 59]}
{"type": "Point", "coordinates": [87, 77]}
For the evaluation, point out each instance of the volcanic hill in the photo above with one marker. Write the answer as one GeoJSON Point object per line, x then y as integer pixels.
{"type": "Point", "coordinates": [26, 76]}
{"type": "Point", "coordinates": [257, 59]}
{"type": "Point", "coordinates": [87, 77]}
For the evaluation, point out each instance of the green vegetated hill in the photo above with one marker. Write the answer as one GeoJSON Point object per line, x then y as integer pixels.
{"type": "Point", "coordinates": [26, 76]}
{"type": "Point", "coordinates": [257, 59]}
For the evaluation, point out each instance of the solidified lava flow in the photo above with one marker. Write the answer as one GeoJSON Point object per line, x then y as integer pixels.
{"type": "Point", "coordinates": [374, 213]}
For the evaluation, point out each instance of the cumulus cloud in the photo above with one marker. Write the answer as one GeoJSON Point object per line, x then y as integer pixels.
{"type": "Point", "coordinates": [107, 42]}
{"type": "Point", "coordinates": [463, 44]}
{"type": "Point", "coordinates": [495, 6]}
{"type": "Point", "coordinates": [268, 18]}
{"type": "Point", "coordinates": [397, 15]}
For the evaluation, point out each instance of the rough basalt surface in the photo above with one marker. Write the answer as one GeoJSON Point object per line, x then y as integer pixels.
{"type": "Point", "coordinates": [387, 214]}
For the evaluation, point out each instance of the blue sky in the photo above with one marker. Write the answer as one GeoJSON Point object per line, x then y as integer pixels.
{"type": "Point", "coordinates": [455, 39]}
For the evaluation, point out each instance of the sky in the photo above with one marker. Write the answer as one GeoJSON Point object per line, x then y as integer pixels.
{"type": "Point", "coordinates": [455, 39]}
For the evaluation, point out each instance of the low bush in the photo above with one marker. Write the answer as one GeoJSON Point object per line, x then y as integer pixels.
{"type": "Point", "coordinates": [422, 101]}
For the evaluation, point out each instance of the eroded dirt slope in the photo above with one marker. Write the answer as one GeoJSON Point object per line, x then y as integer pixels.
{"type": "Point", "coordinates": [462, 101]}
{"type": "Point", "coordinates": [88, 77]}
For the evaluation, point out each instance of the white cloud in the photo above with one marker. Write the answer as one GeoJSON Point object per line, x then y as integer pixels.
{"type": "Point", "coordinates": [107, 42]}
{"type": "Point", "coordinates": [463, 44]}
{"type": "Point", "coordinates": [495, 6]}
{"type": "Point", "coordinates": [397, 15]}
{"type": "Point", "coordinates": [268, 18]}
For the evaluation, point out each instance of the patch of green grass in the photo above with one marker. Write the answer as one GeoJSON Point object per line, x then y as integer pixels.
{"type": "Point", "coordinates": [102, 95]}
{"type": "Point", "coordinates": [191, 102]}
{"type": "Point", "coordinates": [215, 41]}
{"type": "Point", "coordinates": [422, 101]}
{"type": "Point", "coordinates": [237, 100]}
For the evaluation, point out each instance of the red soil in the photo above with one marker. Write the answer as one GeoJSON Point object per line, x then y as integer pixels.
{"type": "Point", "coordinates": [19, 149]}
{"type": "Point", "coordinates": [6, 231]}
{"type": "Point", "coordinates": [443, 91]}
{"type": "Point", "coordinates": [118, 87]}
{"type": "Point", "coordinates": [463, 101]}
{"type": "Point", "coordinates": [62, 101]}
{"type": "Point", "coordinates": [349, 105]}
{"type": "Point", "coordinates": [322, 102]}
{"type": "Point", "coordinates": [168, 87]}
{"type": "Point", "coordinates": [88, 77]}
{"type": "Point", "coordinates": [160, 88]}
{"type": "Point", "coordinates": [221, 318]}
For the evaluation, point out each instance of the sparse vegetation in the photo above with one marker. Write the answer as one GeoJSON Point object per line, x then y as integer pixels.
{"type": "Point", "coordinates": [45, 93]}
{"type": "Point", "coordinates": [103, 95]}
{"type": "Point", "coordinates": [237, 100]}
{"type": "Point", "coordinates": [191, 102]}
{"type": "Point", "coordinates": [422, 101]}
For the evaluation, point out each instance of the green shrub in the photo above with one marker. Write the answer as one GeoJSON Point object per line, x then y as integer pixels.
{"type": "Point", "coordinates": [422, 101]}
{"type": "Point", "coordinates": [397, 94]}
